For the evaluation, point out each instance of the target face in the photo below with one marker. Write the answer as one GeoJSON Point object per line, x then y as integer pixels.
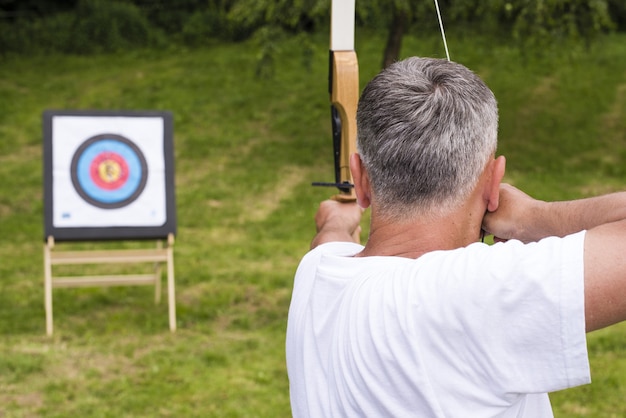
{"type": "Point", "coordinates": [108, 174]}
{"type": "Point", "coordinates": [109, 171]}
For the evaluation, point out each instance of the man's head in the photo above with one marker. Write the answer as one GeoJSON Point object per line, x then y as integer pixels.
{"type": "Point", "coordinates": [426, 129]}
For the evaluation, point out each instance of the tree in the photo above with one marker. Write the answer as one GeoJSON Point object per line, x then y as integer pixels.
{"type": "Point", "coordinates": [535, 24]}
{"type": "Point", "coordinates": [540, 23]}
{"type": "Point", "coordinates": [397, 28]}
{"type": "Point", "coordinates": [17, 9]}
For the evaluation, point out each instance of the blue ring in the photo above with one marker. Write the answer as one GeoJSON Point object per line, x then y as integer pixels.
{"type": "Point", "coordinates": [96, 192]}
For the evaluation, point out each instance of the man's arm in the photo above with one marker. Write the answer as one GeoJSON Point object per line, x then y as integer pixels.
{"type": "Point", "coordinates": [605, 275]}
{"type": "Point", "coordinates": [519, 216]}
{"type": "Point", "coordinates": [336, 221]}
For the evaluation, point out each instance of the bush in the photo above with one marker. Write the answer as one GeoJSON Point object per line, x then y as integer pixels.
{"type": "Point", "coordinates": [39, 35]}
{"type": "Point", "coordinates": [94, 26]}
{"type": "Point", "coordinates": [617, 10]}
{"type": "Point", "coordinates": [102, 25]}
{"type": "Point", "coordinates": [171, 16]}
{"type": "Point", "coordinates": [204, 25]}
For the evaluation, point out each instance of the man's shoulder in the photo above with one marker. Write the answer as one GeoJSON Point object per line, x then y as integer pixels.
{"type": "Point", "coordinates": [339, 248]}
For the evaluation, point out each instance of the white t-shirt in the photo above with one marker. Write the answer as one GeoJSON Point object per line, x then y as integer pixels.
{"type": "Point", "coordinates": [481, 331]}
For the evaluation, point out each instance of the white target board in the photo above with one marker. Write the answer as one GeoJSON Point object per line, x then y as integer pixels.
{"type": "Point", "coordinates": [108, 175]}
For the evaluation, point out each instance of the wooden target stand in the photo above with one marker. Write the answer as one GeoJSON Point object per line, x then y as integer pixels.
{"type": "Point", "coordinates": [84, 152]}
{"type": "Point", "coordinates": [158, 256]}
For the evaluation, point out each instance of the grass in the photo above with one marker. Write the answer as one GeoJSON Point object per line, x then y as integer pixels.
{"type": "Point", "coordinates": [246, 151]}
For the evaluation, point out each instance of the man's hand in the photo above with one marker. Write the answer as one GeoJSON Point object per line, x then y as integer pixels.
{"type": "Point", "coordinates": [515, 216]}
{"type": "Point", "coordinates": [336, 221]}
{"type": "Point", "coordinates": [519, 216]}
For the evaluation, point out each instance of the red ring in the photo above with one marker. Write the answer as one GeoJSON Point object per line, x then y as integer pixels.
{"type": "Point", "coordinates": [115, 161]}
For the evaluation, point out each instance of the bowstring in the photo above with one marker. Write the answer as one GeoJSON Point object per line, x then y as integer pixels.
{"type": "Point", "coordinates": [443, 32]}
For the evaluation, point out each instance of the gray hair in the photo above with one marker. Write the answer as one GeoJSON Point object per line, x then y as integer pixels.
{"type": "Point", "coordinates": [426, 129]}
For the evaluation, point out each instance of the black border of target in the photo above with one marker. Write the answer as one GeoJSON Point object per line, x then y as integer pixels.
{"type": "Point", "coordinates": [97, 203]}
{"type": "Point", "coordinates": [109, 233]}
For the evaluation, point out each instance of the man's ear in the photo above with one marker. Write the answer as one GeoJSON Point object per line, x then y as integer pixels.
{"type": "Point", "coordinates": [361, 181]}
{"type": "Point", "coordinates": [498, 167]}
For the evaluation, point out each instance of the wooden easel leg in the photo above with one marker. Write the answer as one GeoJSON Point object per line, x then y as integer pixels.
{"type": "Point", "coordinates": [157, 277]}
{"type": "Point", "coordinates": [48, 284]}
{"type": "Point", "coordinates": [130, 256]}
{"type": "Point", "coordinates": [171, 297]}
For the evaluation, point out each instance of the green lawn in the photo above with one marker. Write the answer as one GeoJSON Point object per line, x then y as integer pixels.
{"type": "Point", "coordinates": [246, 151]}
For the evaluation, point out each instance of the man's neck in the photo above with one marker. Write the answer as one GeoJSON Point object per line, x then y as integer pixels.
{"type": "Point", "coordinates": [415, 237]}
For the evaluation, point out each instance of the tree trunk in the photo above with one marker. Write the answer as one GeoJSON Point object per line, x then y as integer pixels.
{"type": "Point", "coordinates": [397, 28]}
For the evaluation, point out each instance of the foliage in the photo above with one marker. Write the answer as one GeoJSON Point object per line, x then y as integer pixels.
{"type": "Point", "coordinates": [172, 16]}
{"type": "Point", "coordinates": [88, 26]}
{"type": "Point", "coordinates": [617, 10]}
{"type": "Point", "coordinates": [52, 33]}
{"type": "Point", "coordinates": [103, 25]}
{"type": "Point", "coordinates": [26, 9]}
{"type": "Point", "coordinates": [209, 24]}
{"type": "Point", "coordinates": [94, 26]}
{"type": "Point", "coordinates": [543, 23]}
{"type": "Point", "coordinates": [290, 15]}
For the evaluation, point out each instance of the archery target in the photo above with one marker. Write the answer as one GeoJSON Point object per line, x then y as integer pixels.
{"type": "Point", "coordinates": [108, 171]}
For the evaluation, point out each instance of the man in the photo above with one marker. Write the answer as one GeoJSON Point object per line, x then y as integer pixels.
{"type": "Point", "coordinates": [425, 320]}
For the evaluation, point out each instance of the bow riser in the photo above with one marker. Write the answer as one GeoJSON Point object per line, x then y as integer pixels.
{"type": "Point", "coordinates": [344, 99]}
{"type": "Point", "coordinates": [344, 95]}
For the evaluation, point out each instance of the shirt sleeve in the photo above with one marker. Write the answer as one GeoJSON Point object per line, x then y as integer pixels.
{"type": "Point", "coordinates": [516, 313]}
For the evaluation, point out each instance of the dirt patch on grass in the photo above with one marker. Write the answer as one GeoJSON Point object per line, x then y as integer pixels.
{"type": "Point", "coordinates": [5, 210]}
{"type": "Point", "coordinates": [544, 88]}
{"type": "Point", "coordinates": [26, 152]}
{"type": "Point", "coordinates": [599, 188]}
{"type": "Point", "coordinates": [28, 403]}
{"type": "Point", "coordinates": [616, 115]}
{"type": "Point", "coordinates": [259, 207]}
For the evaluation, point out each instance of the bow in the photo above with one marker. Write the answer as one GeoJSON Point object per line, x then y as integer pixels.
{"type": "Point", "coordinates": [343, 85]}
